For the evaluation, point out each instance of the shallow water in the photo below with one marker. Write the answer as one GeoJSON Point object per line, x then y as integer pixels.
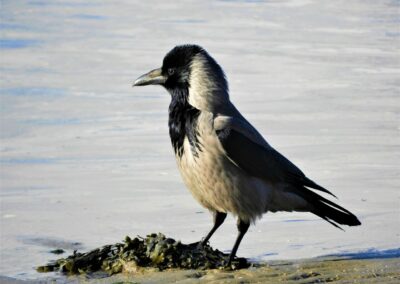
{"type": "Point", "coordinates": [86, 159]}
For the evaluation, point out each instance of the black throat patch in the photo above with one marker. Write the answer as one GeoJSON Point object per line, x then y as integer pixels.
{"type": "Point", "coordinates": [182, 123]}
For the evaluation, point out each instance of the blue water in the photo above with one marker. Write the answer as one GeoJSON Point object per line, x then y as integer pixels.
{"type": "Point", "coordinates": [64, 4]}
{"type": "Point", "coordinates": [18, 43]}
{"type": "Point", "coordinates": [19, 161]}
{"type": "Point", "coordinates": [89, 17]}
{"type": "Point", "coordinates": [33, 91]}
{"type": "Point", "coordinates": [8, 26]}
{"type": "Point", "coordinates": [53, 121]}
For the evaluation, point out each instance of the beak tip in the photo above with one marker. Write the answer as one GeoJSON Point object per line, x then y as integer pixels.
{"type": "Point", "coordinates": [137, 82]}
{"type": "Point", "coordinates": [154, 77]}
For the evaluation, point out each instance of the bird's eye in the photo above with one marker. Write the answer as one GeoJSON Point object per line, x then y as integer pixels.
{"type": "Point", "coordinates": [171, 71]}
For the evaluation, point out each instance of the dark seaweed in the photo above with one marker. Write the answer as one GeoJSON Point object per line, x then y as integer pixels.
{"type": "Point", "coordinates": [155, 250]}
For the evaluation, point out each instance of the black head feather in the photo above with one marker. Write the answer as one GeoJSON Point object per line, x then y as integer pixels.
{"type": "Point", "coordinates": [181, 56]}
{"type": "Point", "coordinates": [176, 66]}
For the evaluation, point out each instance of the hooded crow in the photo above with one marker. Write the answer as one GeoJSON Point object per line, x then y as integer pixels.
{"type": "Point", "coordinates": [224, 161]}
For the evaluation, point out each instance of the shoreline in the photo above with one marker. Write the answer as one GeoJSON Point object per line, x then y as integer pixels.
{"type": "Point", "coordinates": [315, 270]}
{"type": "Point", "coordinates": [319, 270]}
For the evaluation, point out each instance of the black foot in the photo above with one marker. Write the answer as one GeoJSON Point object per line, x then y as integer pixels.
{"type": "Point", "coordinates": [235, 263]}
{"type": "Point", "coordinates": [201, 245]}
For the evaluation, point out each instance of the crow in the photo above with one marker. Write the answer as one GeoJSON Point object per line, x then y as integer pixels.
{"type": "Point", "coordinates": [224, 161]}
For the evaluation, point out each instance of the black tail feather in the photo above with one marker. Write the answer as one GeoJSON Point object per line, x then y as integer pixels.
{"type": "Point", "coordinates": [327, 210]}
{"type": "Point", "coordinates": [312, 184]}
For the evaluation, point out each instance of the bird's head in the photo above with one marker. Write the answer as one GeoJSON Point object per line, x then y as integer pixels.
{"type": "Point", "coordinates": [189, 73]}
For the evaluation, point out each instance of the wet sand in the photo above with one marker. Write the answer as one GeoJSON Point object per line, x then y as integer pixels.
{"type": "Point", "coordinates": [317, 270]}
{"type": "Point", "coordinates": [301, 271]}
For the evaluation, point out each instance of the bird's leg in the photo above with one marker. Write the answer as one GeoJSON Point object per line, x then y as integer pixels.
{"type": "Point", "coordinates": [242, 228]}
{"type": "Point", "coordinates": [219, 218]}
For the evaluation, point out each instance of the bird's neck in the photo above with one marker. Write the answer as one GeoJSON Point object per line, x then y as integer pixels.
{"type": "Point", "coordinates": [208, 88]}
{"type": "Point", "coordinates": [182, 122]}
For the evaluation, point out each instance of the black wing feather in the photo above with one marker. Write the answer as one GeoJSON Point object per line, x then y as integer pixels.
{"type": "Point", "coordinates": [262, 162]}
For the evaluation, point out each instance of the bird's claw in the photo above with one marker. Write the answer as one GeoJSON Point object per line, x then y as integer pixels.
{"type": "Point", "coordinates": [235, 263]}
{"type": "Point", "coordinates": [202, 244]}
{"type": "Point", "coordinates": [226, 265]}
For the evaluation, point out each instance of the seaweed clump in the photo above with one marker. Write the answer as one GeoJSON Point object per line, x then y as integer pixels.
{"type": "Point", "coordinates": [155, 250]}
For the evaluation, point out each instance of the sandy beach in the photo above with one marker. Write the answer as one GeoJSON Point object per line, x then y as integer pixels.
{"type": "Point", "coordinates": [320, 270]}
{"type": "Point", "coordinates": [85, 159]}
{"type": "Point", "coordinates": [291, 272]}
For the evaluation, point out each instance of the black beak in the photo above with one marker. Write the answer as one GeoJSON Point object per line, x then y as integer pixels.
{"type": "Point", "coordinates": [154, 77]}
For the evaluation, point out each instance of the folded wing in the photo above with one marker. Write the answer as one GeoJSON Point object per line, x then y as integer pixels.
{"type": "Point", "coordinates": [245, 147]}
